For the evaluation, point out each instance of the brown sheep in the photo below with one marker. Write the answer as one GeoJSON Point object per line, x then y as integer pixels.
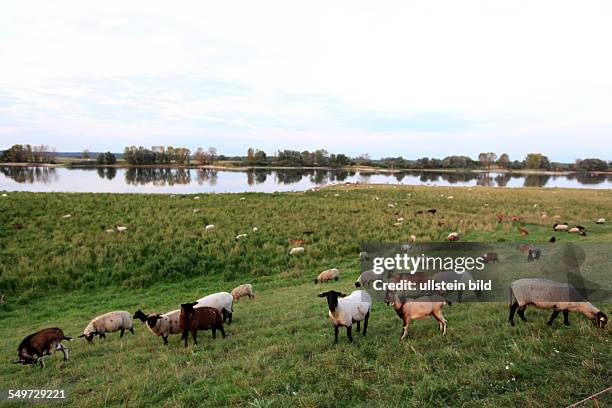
{"type": "Point", "coordinates": [490, 257]}
{"type": "Point", "coordinates": [38, 346]}
{"type": "Point", "coordinates": [201, 318]}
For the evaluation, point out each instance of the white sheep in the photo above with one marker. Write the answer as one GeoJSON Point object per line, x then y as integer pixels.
{"type": "Point", "coordinates": [413, 238]}
{"type": "Point", "coordinates": [108, 323]}
{"type": "Point", "coordinates": [161, 324]}
{"type": "Point", "coordinates": [66, 216]}
{"type": "Point", "coordinates": [296, 251]}
{"type": "Point", "coordinates": [209, 227]}
{"type": "Point", "coordinates": [222, 301]}
{"type": "Point", "coordinates": [246, 289]}
{"type": "Point", "coordinates": [196, 210]}
{"type": "Point", "coordinates": [561, 227]}
{"type": "Point", "coordinates": [453, 236]}
{"type": "Point", "coordinates": [547, 294]}
{"type": "Point", "coordinates": [600, 221]}
{"type": "Point", "coordinates": [346, 310]}
{"type": "Point", "coordinates": [255, 229]}
{"type": "Point", "coordinates": [240, 236]}
{"type": "Point", "coordinates": [121, 229]}
{"type": "Point", "coordinates": [328, 275]}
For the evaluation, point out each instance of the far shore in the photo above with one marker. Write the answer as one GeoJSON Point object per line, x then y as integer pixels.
{"type": "Point", "coordinates": [363, 169]}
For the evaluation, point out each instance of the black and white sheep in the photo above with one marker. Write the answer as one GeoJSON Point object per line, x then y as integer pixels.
{"type": "Point", "coordinates": [346, 310]}
{"type": "Point", "coordinates": [161, 324]}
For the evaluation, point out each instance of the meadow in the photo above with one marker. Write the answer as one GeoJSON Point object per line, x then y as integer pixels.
{"type": "Point", "coordinates": [58, 271]}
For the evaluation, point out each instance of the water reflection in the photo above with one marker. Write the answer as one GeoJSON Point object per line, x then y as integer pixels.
{"type": "Point", "coordinates": [168, 180]}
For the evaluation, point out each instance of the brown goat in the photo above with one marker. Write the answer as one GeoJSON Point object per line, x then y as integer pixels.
{"type": "Point", "coordinates": [523, 231]}
{"type": "Point", "coordinates": [420, 308]}
{"type": "Point", "coordinates": [202, 318]}
{"type": "Point", "coordinates": [500, 218]}
{"type": "Point", "coordinates": [38, 346]}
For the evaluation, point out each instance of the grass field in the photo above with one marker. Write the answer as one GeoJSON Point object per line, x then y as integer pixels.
{"type": "Point", "coordinates": [63, 271]}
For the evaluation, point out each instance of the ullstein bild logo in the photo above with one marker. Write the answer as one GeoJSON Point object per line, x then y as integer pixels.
{"type": "Point", "coordinates": [478, 272]}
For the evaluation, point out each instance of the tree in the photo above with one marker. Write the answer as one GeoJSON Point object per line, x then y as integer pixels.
{"type": "Point", "coordinates": [537, 161]}
{"type": "Point", "coordinates": [591, 165]}
{"type": "Point", "coordinates": [487, 158]}
{"type": "Point", "coordinates": [85, 154]}
{"type": "Point", "coordinates": [250, 155]}
{"type": "Point", "coordinates": [106, 158]}
{"type": "Point", "coordinates": [503, 161]}
{"type": "Point", "coordinates": [260, 157]}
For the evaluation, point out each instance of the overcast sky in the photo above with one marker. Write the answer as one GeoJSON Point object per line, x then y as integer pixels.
{"type": "Point", "coordinates": [410, 78]}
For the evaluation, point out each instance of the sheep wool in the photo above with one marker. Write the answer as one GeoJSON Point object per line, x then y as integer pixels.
{"type": "Point", "coordinates": [245, 289]}
{"type": "Point", "coordinates": [108, 323]}
{"type": "Point", "coordinates": [328, 275]}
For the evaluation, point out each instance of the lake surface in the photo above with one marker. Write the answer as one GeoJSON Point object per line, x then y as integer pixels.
{"type": "Point", "coordinates": [167, 180]}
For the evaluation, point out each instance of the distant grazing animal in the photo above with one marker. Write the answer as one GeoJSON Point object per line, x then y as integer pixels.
{"type": "Point", "coordinates": [246, 289]}
{"type": "Point", "coordinates": [552, 239]}
{"type": "Point", "coordinates": [193, 319]}
{"type": "Point", "coordinates": [500, 218]}
{"type": "Point", "coordinates": [108, 323]}
{"type": "Point", "coordinates": [255, 229]}
{"type": "Point", "coordinates": [490, 257]}
{"type": "Point", "coordinates": [120, 229]}
{"type": "Point", "coordinates": [577, 230]}
{"type": "Point", "coordinates": [66, 216]}
{"type": "Point", "coordinates": [415, 309]}
{"type": "Point", "coordinates": [534, 254]}
{"type": "Point", "coordinates": [346, 310]}
{"type": "Point", "coordinates": [328, 275]}
{"type": "Point", "coordinates": [400, 219]}
{"type": "Point", "coordinates": [453, 236]}
{"type": "Point", "coordinates": [222, 301]}
{"type": "Point", "coordinates": [363, 256]}
{"type": "Point", "coordinates": [296, 251]}
{"type": "Point", "coordinates": [547, 294]}
{"type": "Point", "coordinates": [451, 277]}
{"type": "Point", "coordinates": [413, 238]}
{"type": "Point", "coordinates": [240, 236]}
{"type": "Point", "coordinates": [161, 324]}
{"type": "Point", "coordinates": [390, 205]}
{"type": "Point", "coordinates": [299, 242]}
{"type": "Point", "coordinates": [417, 278]}
{"type": "Point", "coordinates": [561, 227]}
{"type": "Point", "coordinates": [366, 278]}
{"type": "Point", "coordinates": [209, 227]}
{"type": "Point", "coordinates": [405, 247]}
{"type": "Point", "coordinates": [38, 346]}
{"type": "Point", "coordinates": [525, 247]}
{"type": "Point", "coordinates": [110, 231]}
{"type": "Point", "coordinates": [514, 218]}
{"type": "Point", "coordinates": [196, 210]}
{"type": "Point", "coordinates": [432, 211]}
{"type": "Point", "coordinates": [523, 231]}
{"type": "Point", "coordinates": [600, 221]}
{"type": "Point", "coordinates": [397, 224]}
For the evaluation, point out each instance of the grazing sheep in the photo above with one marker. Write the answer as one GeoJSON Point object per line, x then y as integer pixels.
{"type": "Point", "coordinates": [296, 251]}
{"type": "Point", "coordinates": [560, 227]}
{"type": "Point", "coordinates": [556, 217]}
{"type": "Point", "coordinates": [453, 236]}
{"type": "Point", "coordinates": [199, 318]}
{"type": "Point", "coordinates": [523, 231]}
{"type": "Point", "coordinates": [577, 230]}
{"type": "Point", "coordinates": [109, 231]}
{"type": "Point", "coordinates": [397, 224]}
{"type": "Point", "coordinates": [209, 227]}
{"type": "Point", "coordinates": [255, 229]}
{"type": "Point", "coordinates": [515, 218]}
{"type": "Point", "coordinates": [419, 308]}
{"type": "Point", "coordinates": [161, 324]}
{"type": "Point", "coordinates": [547, 294]}
{"type": "Point", "coordinates": [391, 205]}
{"type": "Point", "coordinates": [363, 256]}
{"type": "Point", "coordinates": [196, 210]}
{"type": "Point", "coordinates": [108, 323]}
{"type": "Point", "coordinates": [490, 257]}
{"type": "Point", "coordinates": [240, 236]}
{"type": "Point", "coordinates": [38, 346]}
{"type": "Point", "coordinates": [366, 278]}
{"type": "Point", "coordinates": [417, 278]}
{"type": "Point", "coordinates": [4, 195]}
{"type": "Point", "coordinates": [348, 310]}
{"type": "Point", "coordinates": [600, 221]}
{"type": "Point", "coordinates": [299, 242]}
{"type": "Point", "coordinates": [120, 229]}
{"type": "Point", "coordinates": [245, 289]}
{"type": "Point", "coordinates": [500, 218]}
{"type": "Point", "coordinates": [222, 301]}
{"type": "Point", "coordinates": [413, 238]}
{"type": "Point", "coordinates": [534, 254]}
{"type": "Point", "coordinates": [328, 275]}
{"type": "Point", "coordinates": [451, 277]}
{"type": "Point", "coordinates": [405, 248]}
{"type": "Point", "coordinates": [196, 197]}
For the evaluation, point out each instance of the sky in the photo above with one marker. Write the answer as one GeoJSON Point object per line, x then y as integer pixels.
{"type": "Point", "coordinates": [411, 78]}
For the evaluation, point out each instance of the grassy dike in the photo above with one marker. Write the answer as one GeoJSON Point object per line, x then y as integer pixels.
{"type": "Point", "coordinates": [62, 271]}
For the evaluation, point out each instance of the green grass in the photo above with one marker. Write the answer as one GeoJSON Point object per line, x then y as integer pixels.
{"type": "Point", "coordinates": [279, 351]}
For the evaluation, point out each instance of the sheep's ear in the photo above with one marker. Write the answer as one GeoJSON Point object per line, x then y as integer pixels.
{"type": "Point", "coordinates": [342, 295]}
{"type": "Point", "coordinates": [323, 294]}
{"type": "Point", "coordinates": [193, 303]}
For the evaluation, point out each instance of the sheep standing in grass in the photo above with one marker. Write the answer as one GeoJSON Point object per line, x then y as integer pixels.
{"type": "Point", "coordinates": [453, 236]}
{"type": "Point", "coordinates": [245, 289]}
{"type": "Point", "coordinates": [346, 310]}
{"type": "Point", "coordinates": [415, 309]}
{"type": "Point", "coordinates": [296, 251]}
{"type": "Point", "coordinates": [328, 275]}
{"type": "Point", "coordinates": [561, 227]}
{"type": "Point", "coordinates": [600, 221]}
{"type": "Point", "coordinates": [108, 323]}
{"type": "Point", "coordinates": [363, 256]}
{"type": "Point", "coordinates": [490, 257]}
{"type": "Point", "coordinates": [161, 324]}
{"type": "Point", "coordinates": [209, 228]}
{"type": "Point", "coordinates": [222, 301]}
{"type": "Point", "coordinates": [534, 254]}
{"type": "Point", "coordinates": [38, 346]}
{"type": "Point", "coordinates": [547, 294]}
{"type": "Point", "coordinates": [193, 319]}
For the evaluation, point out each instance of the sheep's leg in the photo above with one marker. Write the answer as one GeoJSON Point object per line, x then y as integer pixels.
{"type": "Point", "coordinates": [349, 333]}
{"type": "Point", "coordinates": [365, 323]}
{"type": "Point", "coordinates": [230, 319]}
{"type": "Point", "coordinates": [335, 334]}
{"type": "Point", "coordinates": [336, 279]}
{"type": "Point", "coordinates": [224, 313]}
{"type": "Point", "coordinates": [121, 334]}
{"type": "Point", "coordinates": [222, 330]}
{"type": "Point", "coordinates": [554, 315]}
{"type": "Point", "coordinates": [185, 337]}
{"type": "Point", "coordinates": [521, 313]}
{"type": "Point", "coordinates": [102, 336]}
{"type": "Point", "coordinates": [358, 327]}
{"type": "Point", "coordinates": [566, 318]}
{"type": "Point", "coordinates": [131, 329]}
{"type": "Point", "coordinates": [513, 308]}
{"type": "Point", "coordinates": [165, 338]}
{"type": "Point", "coordinates": [194, 334]}
{"type": "Point", "coordinates": [214, 331]}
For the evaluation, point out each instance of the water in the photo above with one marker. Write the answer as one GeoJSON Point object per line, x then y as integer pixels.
{"type": "Point", "coordinates": [167, 180]}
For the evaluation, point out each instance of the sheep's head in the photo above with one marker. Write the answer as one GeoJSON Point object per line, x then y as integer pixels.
{"type": "Point", "coordinates": [188, 309]}
{"type": "Point", "coordinates": [140, 316]}
{"type": "Point", "coordinates": [600, 320]}
{"type": "Point", "coordinates": [25, 358]}
{"type": "Point", "coordinates": [332, 298]}
{"type": "Point", "coordinates": [88, 336]}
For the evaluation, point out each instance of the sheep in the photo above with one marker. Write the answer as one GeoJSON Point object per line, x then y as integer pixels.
{"type": "Point", "coordinates": [405, 248]}
{"type": "Point", "coordinates": [328, 275]}
{"type": "Point", "coordinates": [500, 218]}
{"type": "Point", "coordinates": [547, 294]}
{"type": "Point", "coordinates": [196, 197]}
{"type": "Point", "coordinates": [560, 227]}
{"type": "Point", "coordinates": [255, 229]}
{"type": "Point", "coordinates": [600, 221]}
{"type": "Point", "coordinates": [577, 230]}
{"type": "Point", "coordinates": [413, 238]}
{"type": "Point", "coordinates": [4, 195]}
{"type": "Point", "coordinates": [432, 211]}
{"type": "Point", "coordinates": [363, 256]}
{"type": "Point", "coordinates": [416, 309]}
{"type": "Point", "coordinates": [240, 236]}
{"type": "Point", "coordinates": [296, 251]}
{"type": "Point", "coordinates": [452, 276]}
{"type": "Point", "coordinates": [196, 210]}
{"type": "Point", "coordinates": [534, 254]}
{"type": "Point", "coordinates": [222, 301]}
{"type": "Point", "coordinates": [161, 324]}
{"type": "Point", "coordinates": [108, 323]}
{"type": "Point", "coordinates": [391, 205]}
{"type": "Point", "coordinates": [400, 219]}
{"type": "Point", "coordinates": [453, 236]}
{"type": "Point", "coordinates": [38, 346]}
{"type": "Point", "coordinates": [66, 216]}
{"type": "Point", "coordinates": [490, 257]}
{"type": "Point", "coordinates": [120, 229]}
{"type": "Point", "coordinates": [348, 310]}
{"type": "Point", "coordinates": [209, 227]}
{"type": "Point", "coordinates": [245, 289]}
{"type": "Point", "coordinates": [515, 218]}
{"type": "Point", "coordinates": [523, 231]}
{"type": "Point", "coordinates": [192, 319]}
{"type": "Point", "coordinates": [109, 231]}
{"type": "Point", "coordinates": [397, 224]}
{"type": "Point", "coordinates": [366, 278]}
